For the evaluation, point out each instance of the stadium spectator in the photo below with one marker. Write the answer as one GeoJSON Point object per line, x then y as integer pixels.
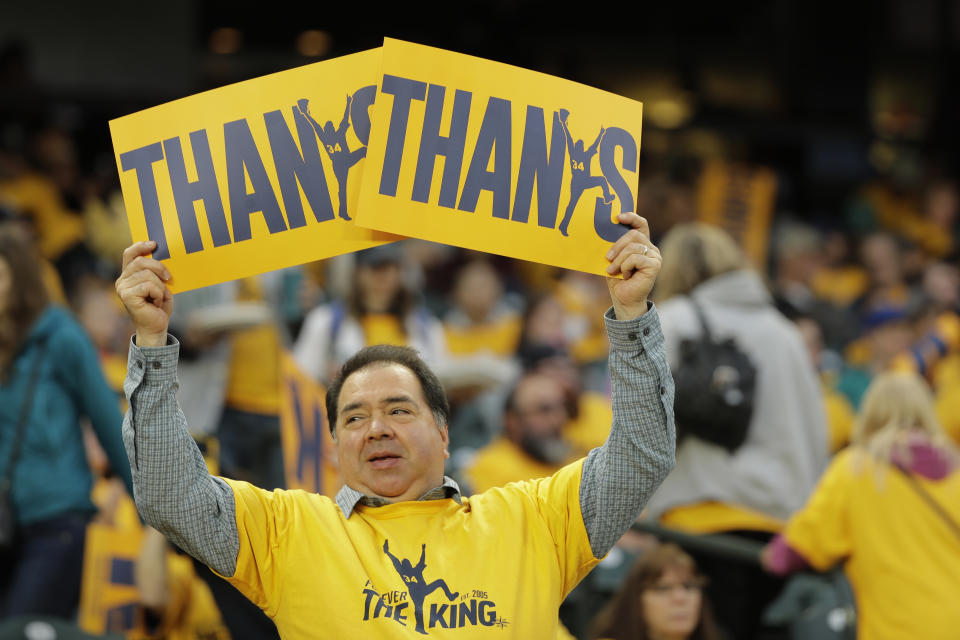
{"type": "Point", "coordinates": [661, 599]}
{"type": "Point", "coordinates": [50, 379]}
{"type": "Point", "coordinates": [887, 508]}
{"type": "Point", "coordinates": [481, 321]}
{"type": "Point", "coordinates": [177, 605]}
{"type": "Point", "coordinates": [752, 490]}
{"type": "Point", "coordinates": [307, 560]}
{"type": "Point", "coordinates": [532, 444]}
{"type": "Point", "coordinates": [840, 413]}
{"type": "Point", "coordinates": [380, 310]}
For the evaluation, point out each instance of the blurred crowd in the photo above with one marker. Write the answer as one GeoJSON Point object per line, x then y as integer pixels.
{"type": "Point", "coordinates": [851, 322]}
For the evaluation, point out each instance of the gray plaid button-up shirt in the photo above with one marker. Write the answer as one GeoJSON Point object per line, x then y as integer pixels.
{"type": "Point", "coordinates": [176, 494]}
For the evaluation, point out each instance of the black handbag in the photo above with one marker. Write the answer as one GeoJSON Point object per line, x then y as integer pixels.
{"type": "Point", "coordinates": [8, 519]}
{"type": "Point", "coordinates": [715, 383]}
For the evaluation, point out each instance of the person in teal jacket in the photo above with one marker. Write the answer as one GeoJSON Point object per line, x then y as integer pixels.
{"type": "Point", "coordinates": [51, 479]}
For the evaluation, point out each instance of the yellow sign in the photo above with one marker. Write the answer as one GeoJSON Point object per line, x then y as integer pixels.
{"type": "Point", "coordinates": [309, 460]}
{"type": "Point", "coordinates": [739, 199]}
{"type": "Point", "coordinates": [483, 155]}
{"type": "Point", "coordinates": [109, 600]}
{"type": "Point", "coordinates": [251, 177]}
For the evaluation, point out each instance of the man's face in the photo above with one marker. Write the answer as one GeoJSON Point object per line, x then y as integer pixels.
{"type": "Point", "coordinates": [538, 417]}
{"type": "Point", "coordinates": [388, 441]}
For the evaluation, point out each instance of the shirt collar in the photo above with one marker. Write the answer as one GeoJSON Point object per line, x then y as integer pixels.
{"type": "Point", "coordinates": [348, 498]}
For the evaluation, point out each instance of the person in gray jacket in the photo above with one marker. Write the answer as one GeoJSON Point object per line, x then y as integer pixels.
{"type": "Point", "coordinates": [754, 489]}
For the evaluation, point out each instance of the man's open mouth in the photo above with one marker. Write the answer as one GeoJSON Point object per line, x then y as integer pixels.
{"type": "Point", "coordinates": [383, 460]}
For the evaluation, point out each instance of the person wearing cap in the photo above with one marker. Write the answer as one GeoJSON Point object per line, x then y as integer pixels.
{"type": "Point", "coordinates": [380, 309]}
{"type": "Point", "coordinates": [401, 552]}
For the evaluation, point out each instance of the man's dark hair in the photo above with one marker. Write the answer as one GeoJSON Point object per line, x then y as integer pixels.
{"type": "Point", "coordinates": [433, 391]}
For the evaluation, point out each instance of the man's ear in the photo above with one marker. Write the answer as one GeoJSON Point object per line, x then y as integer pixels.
{"type": "Point", "coordinates": [445, 436]}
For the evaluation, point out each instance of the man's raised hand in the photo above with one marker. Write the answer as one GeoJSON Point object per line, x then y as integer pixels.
{"type": "Point", "coordinates": [639, 261]}
{"type": "Point", "coordinates": [142, 289]}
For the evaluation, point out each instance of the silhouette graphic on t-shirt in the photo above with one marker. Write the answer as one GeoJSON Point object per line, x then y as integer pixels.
{"type": "Point", "coordinates": [335, 142]}
{"type": "Point", "coordinates": [416, 586]}
{"type": "Point", "coordinates": [580, 179]}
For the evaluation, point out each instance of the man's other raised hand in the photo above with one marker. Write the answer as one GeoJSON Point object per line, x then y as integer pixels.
{"type": "Point", "coordinates": [142, 289]}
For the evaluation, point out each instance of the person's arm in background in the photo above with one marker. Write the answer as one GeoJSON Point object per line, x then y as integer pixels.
{"type": "Point", "coordinates": [80, 373]}
{"type": "Point", "coordinates": [312, 349]}
{"type": "Point", "coordinates": [819, 534]}
{"type": "Point", "coordinates": [619, 477]}
{"type": "Point", "coordinates": [173, 490]}
{"type": "Point", "coordinates": [150, 572]}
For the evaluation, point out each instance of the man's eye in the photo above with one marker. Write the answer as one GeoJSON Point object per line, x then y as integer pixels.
{"type": "Point", "coordinates": [398, 410]}
{"type": "Point", "coordinates": [352, 418]}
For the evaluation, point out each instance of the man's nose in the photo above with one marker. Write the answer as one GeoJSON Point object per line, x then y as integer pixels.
{"type": "Point", "coordinates": [379, 428]}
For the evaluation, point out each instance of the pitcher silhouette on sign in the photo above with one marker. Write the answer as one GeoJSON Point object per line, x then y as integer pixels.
{"type": "Point", "coordinates": [416, 586]}
{"type": "Point", "coordinates": [580, 179]}
{"type": "Point", "coordinates": [335, 142]}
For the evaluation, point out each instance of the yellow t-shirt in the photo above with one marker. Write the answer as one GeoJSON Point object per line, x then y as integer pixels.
{"type": "Point", "coordinates": [497, 566]}
{"type": "Point", "coordinates": [502, 462]}
{"type": "Point", "coordinates": [717, 517]}
{"type": "Point", "coordinates": [58, 228]}
{"type": "Point", "coordinates": [840, 286]}
{"type": "Point", "coordinates": [191, 612]}
{"type": "Point", "coordinates": [253, 383]}
{"type": "Point", "coordinates": [901, 558]}
{"type": "Point", "coordinates": [383, 328]}
{"type": "Point", "coordinates": [499, 337]}
{"type": "Point", "coordinates": [592, 424]}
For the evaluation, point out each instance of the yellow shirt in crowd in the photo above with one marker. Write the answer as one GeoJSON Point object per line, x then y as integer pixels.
{"type": "Point", "coordinates": [191, 612]}
{"type": "Point", "coordinates": [499, 337]}
{"type": "Point", "coordinates": [901, 558]}
{"type": "Point", "coordinates": [498, 565]}
{"type": "Point", "coordinates": [592, 425]}
{"type": "Point", "coordinates": [502, 462]}
{"type": "Point", "coordinates": [253, 383]}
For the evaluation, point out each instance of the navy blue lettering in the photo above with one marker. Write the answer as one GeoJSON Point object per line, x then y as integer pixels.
{"type": "Point", "coordinates": [468, 612]}
{"type": "Point", "coordinates": [398, 614]}
{"type": "Point", "coordinates": [310, 451]}
{"type": "Point", "coordinates": [205, 188]}
{"type": "Point", "coordinates": [494, 137]}
{"type": "Point", "coordinates": [381, 607]}
{"type": "Point", "coordinates": [432, 144]}
{"type": "Point", "coordinates": [371, 594]}
{"type": "Point", "coordinates": [613, 138]}
{"type": "Point", "coordinates": [122, 617]}
{"type": "Point", "coordinates": [548, 172]}
{"type": "Point", "coordinates": [436, 616]}
{"type": "Point", "coordinates": [360, 112]}
{"type": "Point", "coordinates": [487, 617]}
{"type": "Point", "coordinates": [404, 91]}
{"type": "Point", "coordinates": [141, 161]}
{"type": "Point", "coordinates": [293, 166]}
{"type": "Point", "coordinates": [243, 158]}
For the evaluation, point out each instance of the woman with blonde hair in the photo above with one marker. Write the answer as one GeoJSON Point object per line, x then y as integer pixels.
{"type": "Point", "coordinates": [889, 509]}
{"type": "Point", "coordinates": [751, 489]}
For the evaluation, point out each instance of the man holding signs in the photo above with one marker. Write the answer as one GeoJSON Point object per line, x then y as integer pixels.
{"type": "Point", "coordinates": [400, 552]}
